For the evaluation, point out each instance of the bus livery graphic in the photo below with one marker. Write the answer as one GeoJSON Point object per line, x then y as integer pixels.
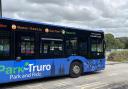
{"type": "Point", "coordinates": [27, 67]}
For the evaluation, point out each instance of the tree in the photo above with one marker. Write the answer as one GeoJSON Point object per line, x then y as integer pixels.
{"type": "Point", "coordinates": [112, 42]}
{"type": "Point", "coordinates": [109, 38]}
{"type": "Point", "coordinates": [125, 41]}
{"type": "Point", "coordinates": [119, 44]}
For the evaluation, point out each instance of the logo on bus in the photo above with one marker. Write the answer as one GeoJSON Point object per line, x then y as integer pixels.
{"type": "Point", "coordinates": [31, 68]}
{"type": "Point", "coordinates": [13, 27]}
{"type": "Point", "coordinates": [46, 30]}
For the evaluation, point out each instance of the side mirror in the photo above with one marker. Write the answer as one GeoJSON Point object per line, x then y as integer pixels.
{"type": "Point", "coordinates": [105, 45]}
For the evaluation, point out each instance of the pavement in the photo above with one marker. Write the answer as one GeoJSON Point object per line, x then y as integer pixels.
{"type": "Point", "coordinates": [115, 76]}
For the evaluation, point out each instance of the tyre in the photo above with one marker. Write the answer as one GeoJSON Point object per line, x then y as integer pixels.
{"type": "Point", "coordinates": [75, 69]}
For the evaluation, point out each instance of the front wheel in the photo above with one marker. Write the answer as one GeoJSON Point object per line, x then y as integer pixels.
{"type": "Point", "coordinates": [75, 69]}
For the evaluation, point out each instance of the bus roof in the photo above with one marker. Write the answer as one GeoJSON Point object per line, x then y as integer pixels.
{"type": "Point", "coordinates": [41, 23]}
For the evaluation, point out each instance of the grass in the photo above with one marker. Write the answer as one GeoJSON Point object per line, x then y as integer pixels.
{"type": "Point", "coordinates": [119, 56]}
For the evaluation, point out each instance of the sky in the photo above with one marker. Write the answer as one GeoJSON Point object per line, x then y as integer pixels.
{"type": "Point", "coordinates": [111, 16]}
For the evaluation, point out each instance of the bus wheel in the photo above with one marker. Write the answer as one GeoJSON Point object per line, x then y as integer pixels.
{"type": "Point", "coordinates": [75, 69]}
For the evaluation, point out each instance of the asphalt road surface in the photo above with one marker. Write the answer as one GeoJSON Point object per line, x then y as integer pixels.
{"type": "Point", "coordinates": [115, 76]}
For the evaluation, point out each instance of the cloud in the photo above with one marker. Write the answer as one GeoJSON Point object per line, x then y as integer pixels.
{"type": "Point", "coordinates": [109, 15]}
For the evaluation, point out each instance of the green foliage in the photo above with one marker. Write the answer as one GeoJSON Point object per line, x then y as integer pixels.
{"type": "Point", "coordinates": [125, 41]}
{"type": "Point", "coordinates": [119, 44]}
{"type": "Point", "coordinates": [113, 43]}
{"type": "Point", "coordinates": [120, 56]}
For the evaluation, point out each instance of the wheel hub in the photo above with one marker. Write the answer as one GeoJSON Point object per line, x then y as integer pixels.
{"type": "Point", "coordinates": [76, 69]}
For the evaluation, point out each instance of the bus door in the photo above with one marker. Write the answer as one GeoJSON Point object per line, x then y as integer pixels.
{"type": "Point", "coordinates": [25, 54]}
{"type": "Point", "coordinates": [71, 45]}
{"type": "Point", "coordinates": [52, 51]}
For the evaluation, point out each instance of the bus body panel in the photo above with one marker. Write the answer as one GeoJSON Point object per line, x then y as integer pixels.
{"type": "Point", "coordinates": [61, 66]}
{"type": "Point", "coordinates": [89, 65]}
{"type": "Point", "coordinates": [4, 71]}
{"type": "Point", "coordinates": [11, 71]}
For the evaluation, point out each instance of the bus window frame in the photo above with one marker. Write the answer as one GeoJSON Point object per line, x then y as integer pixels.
{"type": "Point", "coordinates": [49, 55]}
{"type": "Point", "coordinates": [96, 54]}
{"type": "Point", "coordinates": [74, 51]}
{"type": "Point", "coordinates": [84, 52]}
{"type": "Point", "coordinates": [18, 40]}
{"type": "Point", "coordinates": [10, 37]}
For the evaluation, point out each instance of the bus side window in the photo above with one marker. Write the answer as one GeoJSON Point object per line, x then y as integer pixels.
{"type": "Point", "coordinates": [50, 46]}
{"type": "Point", "coordinates": [5, 43]}
{"type": "Point", "coordinates": [56, 47]}
{"type": "Point", "coordinates": [27, 45]}
{"type": "Point", "coordinates": [44, 47]}
{"type": "Point", "coordinates": [4, 47]}
{"type": "Point", "coordinates": [71, 46]}
{"type": "Point", "coordinates": [82, 47]}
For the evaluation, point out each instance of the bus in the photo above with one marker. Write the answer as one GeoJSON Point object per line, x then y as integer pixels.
{"type": "Point", "coordinates": [31, 50]}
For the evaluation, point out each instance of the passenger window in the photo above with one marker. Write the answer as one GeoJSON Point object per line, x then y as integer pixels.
{"type": "Point", "coordinates": [71, 46]}
{"type": "Point", "coordinates": [56, 47]}
{"type": "Point", "coordinates": [51, 46]}
{"type": "Point", "coordinates": [27, 45]}
{"type": "Point", "coordinates": [82, 47]}
{"type": "Point", "coordinates": [45, 48]}
{"type": "Point", "coordinates": [4, 47]}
